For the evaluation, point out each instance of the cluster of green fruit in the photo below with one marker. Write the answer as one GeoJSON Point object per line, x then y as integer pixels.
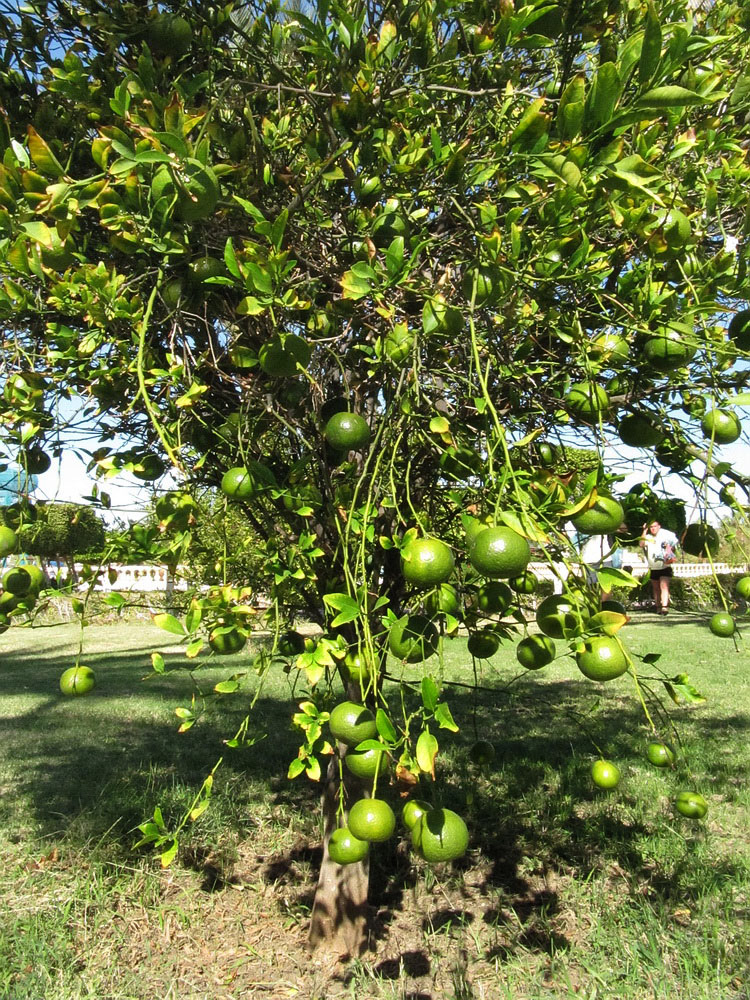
{"type": "Point", "coordinates": [21, 585]}
{"type": "Point", "coordinates": [607, 775]}
{"type": "Point", "coordinates": [436, 834]}
{"type": "Point", "coordinates": [498, 553]}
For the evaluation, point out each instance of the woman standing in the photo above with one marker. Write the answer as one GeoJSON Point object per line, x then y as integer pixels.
{"type": "Point", "coordinates": [660, 547]}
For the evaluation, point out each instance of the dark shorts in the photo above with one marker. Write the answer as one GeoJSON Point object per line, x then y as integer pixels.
{"type": "Point", "coordinates": [657, 574]}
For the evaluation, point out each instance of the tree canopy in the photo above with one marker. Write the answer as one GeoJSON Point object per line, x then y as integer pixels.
{"type": "Point", "coordinates": [489, 230]}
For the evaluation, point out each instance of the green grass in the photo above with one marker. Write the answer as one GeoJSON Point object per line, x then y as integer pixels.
{"type": "Point", "coordinates": [568, 891]}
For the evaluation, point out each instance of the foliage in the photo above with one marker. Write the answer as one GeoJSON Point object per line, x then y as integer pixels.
{"type": "Point", "coordinates": [65, 529]}
{"type": "Point", "coordinates": [478, 227]}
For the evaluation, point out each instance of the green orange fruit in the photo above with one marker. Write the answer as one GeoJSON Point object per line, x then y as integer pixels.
{"type": "Point", "coordinates": [346, 849]}
{"type": "Point", "coordinates": [605, 774]}
{"type": "Point", "coordinates": [535, 652]}
{"type": "Point", "coordinates": [691, 804]}
{"type": "Point", "coordinates": [77, 681]}
{"type": "Point", "coordinates": [486, 280]}
{"type": "Point", "coordinates": [701, 539]}
{"type": "Point", "coordinates": [609, 348]}
{"type": "Point", "coordinates": [668, 349]}
{"type": "Point", "coordinates": [358, 667]}
{"type": "Point", "coordinates": [367, 764]}
{"type": "Point", "coordinates": [413, 639]}
{"type": "Point", "coordinates": [638, 430]}
{"type": "Point", "coordinates": [526, 583]}
{"type": "Point", "coordinates": [148, 467]}
{"type": "Point", "coordinates": [739, 329]}
{"type": "Point", "coordinates": [351, 723]}
{"type": "Point", "coordinates": [426, 562]}
{"type": "Point", "coordinates": [226, 641]}
{"type": "Point", "coordinates": [587, 401]}
{"type": "Point", "coordinates": [659, 754]}
{"type": "Point", "coordinates": [482, 753]}
{"type": "Point", "coordinates": [242, 481]}
{"type": "Point", "coordinates": [371, 820]}
{"type": "Point", "coordinates": [195, 193]}
{"type": "Point", "coordinates": [347, 432]}
{"type": "Point", "coordinates": [440, 835]}
{"type": "Point", "coordinates": [8, 541]}
{"type": "Point", "coordinates": [494, 597]}
{"type": "Point", "coordinates": [413, 811]}
{"type": "Point", "coordinates": [443, 600]}
{"type": "Point", "coordinates": [722, 426]}
{"type": "Point", "coordinates": [279, 356]}
{"type": "Point", "coordinates": [603, 517]}
{"type": "Point", "coordinates": [602, 658]}
{"type": "Point", "coordinates": [562, 616]}
{"type": "Point", "coordinates": [17, 581]}
{"type": "Point", "coordinates": [206, 267]}
{"type": "Point", "coordinates": [672, 455]}
{"type": "Point", "coordinates": [170, 35]}
{"type": "Point", "coordinates": [291, 643]}
{"type": "Point", "coordinates": [38, 579]}
{"type": "Point", "coordinates": [34, 460]}
{"type": "Point", "coordinates": [722, 624]}
{"type": "Point", "coordinates": [499, 552]}
{"type": "Point", "coordinates": [742, 588]}
{"type": "Point", "coordinates": [483, 644]}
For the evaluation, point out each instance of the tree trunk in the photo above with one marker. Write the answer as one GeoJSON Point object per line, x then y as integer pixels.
{"type": "Point", "coordinates": [340, 914]}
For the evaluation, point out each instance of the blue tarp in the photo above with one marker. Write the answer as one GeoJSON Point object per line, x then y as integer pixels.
{"type": "Point", "coordinates": [14, 483]}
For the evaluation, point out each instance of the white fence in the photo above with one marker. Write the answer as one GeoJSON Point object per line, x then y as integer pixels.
{"type": "Point", "coordinates": [149, 577]}
{"type": "Point", "coordinates": [639, 566]}
{"type": "Point", "coordinates": [145, 577]}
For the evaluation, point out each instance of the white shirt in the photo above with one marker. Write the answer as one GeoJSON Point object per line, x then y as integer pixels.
{"type": "Point", "coordinates": [654, 546]}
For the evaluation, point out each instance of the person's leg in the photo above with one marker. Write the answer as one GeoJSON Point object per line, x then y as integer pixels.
{"type": "Point", "coordinates": [656, 592]}
{"type": "Point", "coordinates": [664, 594]}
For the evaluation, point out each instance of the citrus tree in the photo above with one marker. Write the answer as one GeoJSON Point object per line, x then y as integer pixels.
{"type": "Point", "coordinates": [366, 270]}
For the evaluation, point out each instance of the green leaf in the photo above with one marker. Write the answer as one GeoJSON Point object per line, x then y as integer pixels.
{"type": "Point", "coordinates": [610, 577]}
{"type": "Point", "coordinates": [394, 257]}
{"type": "Point", "coordinates": [444, 718]}
{"type": "Point", "coordinates": [355, 286]}
{"type": "Point", "coordinates": [168, 856]}
{"type": "Point", "coordinates": [39, 232]}
{"type": "Point", "coordinates": [604, 94]}
{"type": "Point", "coordinates": [651, 657]}
{"type": "Point", "coordinates": [157, 662]}
{"type": "Point", "coordinates": [279, 228]}
{"type": "Point", "coordinates": [670, 97]}
{"type": "Point", "coordinates": [42, 155]}
{"type": "Point", "coordinates": [426, 752]}
{"type": "Point", "coordinates": [385, 726]}
{"type": "Point", "coordinates": [608, 622]}
{"type": "Point", "coordinates": [430, 693]}
{"type": "Point", "coordinates": [347, 607]}
{"type": "Point", "coordinates": [532, 126]}
{"type": "Point", "coordinates": [230, 259]}
{"type": "Point", "coordinates": [227, 687]}
{"type": "Point", "coordinates": [650, 48]}
{"type": "Point", "coordinates": [741, 93]}
{"type": "Point", "coordinates": [114, 600]}
{"type": "Point", "coordinates": [193, 648]}
{"type": "Point", "coordinates": [682, 692]}
{"type": "Point", "coordinates": [295, 768]}
{"type": "Point", "coordinates": [169, 623]}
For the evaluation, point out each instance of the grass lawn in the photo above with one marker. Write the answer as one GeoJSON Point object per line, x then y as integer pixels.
{"type": "Point", "coordinates": [567, 891]}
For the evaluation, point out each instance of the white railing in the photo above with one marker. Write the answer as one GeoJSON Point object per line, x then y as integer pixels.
{"type": "Point", "coordinates": [144, 577]}
{"type": "Point", "coordinates": [639, 566]}
{"type": "Point", "coordinates": [147, 577]}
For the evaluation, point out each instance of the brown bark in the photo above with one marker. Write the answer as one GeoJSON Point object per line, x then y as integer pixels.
{"type": "Point", "coordinates": [340, 914]}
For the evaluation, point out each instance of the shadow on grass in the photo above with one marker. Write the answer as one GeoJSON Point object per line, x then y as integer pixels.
{"type": "Point", "coordinates": [94, 767]}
